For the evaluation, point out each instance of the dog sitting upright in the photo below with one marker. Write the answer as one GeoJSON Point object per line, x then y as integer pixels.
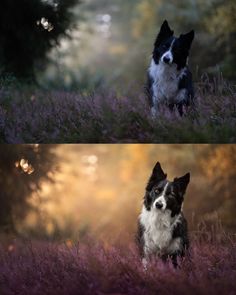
{"type": "Point", "coordinates": [169, 79]}
{"type": "Point", "coordinates": [162, 228]}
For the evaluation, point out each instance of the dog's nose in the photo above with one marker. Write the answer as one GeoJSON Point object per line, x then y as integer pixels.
{"type": "Point", "coordinates": [159, 205]}
{"type": "Point", "coordinates": [166, 59]}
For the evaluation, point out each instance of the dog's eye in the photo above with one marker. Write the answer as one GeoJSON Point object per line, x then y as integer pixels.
{"type": "Point", "coordinates": [164, 46]}
{"type": "Point", "coordinates": [157, 190]}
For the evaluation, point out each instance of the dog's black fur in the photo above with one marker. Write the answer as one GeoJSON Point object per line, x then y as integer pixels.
{"type": "Point", "coordinates": [169, 79]}
{"type": "Point", "coordinates": [162, 227]}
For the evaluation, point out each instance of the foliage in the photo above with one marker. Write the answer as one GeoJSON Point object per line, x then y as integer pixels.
{"type": "Point", "coordinates": [22, 169]}
{"type": "Point", "coordinates": [122, 54]}
{"type": "Point", "coordinates": [93, 56]}
{"type": "Point", "coordinates": [98, 189]}
{"type": "Point", "coordinates": [219, 168]}
{"type": "Point", "coordinates": [92, 268]}
{"type": "Point", "coordinates": [221, 25]}
{"type": "Point", "coordinates": [28, 30]}
{"type": "Point", "coordinates": [212, 20]}
{"type": "Point", "coordinates": [31, 115]}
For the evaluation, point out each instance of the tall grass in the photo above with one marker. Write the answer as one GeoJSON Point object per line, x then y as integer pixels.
{"type": "Point", "coordinates": [89, 267]}
{"type": "Point", "coordinates": [31, 115]}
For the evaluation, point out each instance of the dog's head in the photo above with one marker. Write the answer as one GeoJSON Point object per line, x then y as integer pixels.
{"type": "Point", "coordinates": [172, 50]}
{"type": "Point", "coordinates": [162, 194]}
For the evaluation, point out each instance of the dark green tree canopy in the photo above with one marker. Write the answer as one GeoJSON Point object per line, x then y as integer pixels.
{"type": "Point", "coordinates": [22, 170]}
{"type": "Point", "coordinates": [28, 30]}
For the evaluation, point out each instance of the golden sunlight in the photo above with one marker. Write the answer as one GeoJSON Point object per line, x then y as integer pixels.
{"type": "Point", "coordinates": [98, 189]}
{"type": "Point", "coordinates": [24, 165]}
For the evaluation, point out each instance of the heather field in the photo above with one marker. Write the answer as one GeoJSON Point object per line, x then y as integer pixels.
{"type": "Point", "coordinates": [35, 268]}
{"type": "Point", "coordinates": [29, 115]}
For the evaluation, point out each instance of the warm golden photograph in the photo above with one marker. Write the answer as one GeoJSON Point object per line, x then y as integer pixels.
{"type": "Point", "coordinates": [77, 219]}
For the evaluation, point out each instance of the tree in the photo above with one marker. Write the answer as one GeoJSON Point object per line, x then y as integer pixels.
{"type": "Point", "coordinates": [22, 170]}
{"type": "Point", "coordinates": [219, 168]}
{"type": "Point", "coordinates": [212, 20]}
{"type": "Point", "coordinates": [220, 23]}
{"type": "Point", "coordinates": [28, 30]}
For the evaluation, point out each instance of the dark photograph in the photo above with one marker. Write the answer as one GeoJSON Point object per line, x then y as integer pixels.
{"type": "Point", "coordinates": [115, 71]}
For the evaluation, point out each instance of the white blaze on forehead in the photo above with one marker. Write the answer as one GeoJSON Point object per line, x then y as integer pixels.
{"type": "Point", "coordinates": [168, 53]}
{"type": "Point", "coordinates": [162, 199]}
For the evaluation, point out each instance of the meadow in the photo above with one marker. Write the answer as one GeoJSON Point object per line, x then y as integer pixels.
{"type": "Point", "coordinates": [92, 267]}
{"type": "Point", "coordinates": [29, 114]}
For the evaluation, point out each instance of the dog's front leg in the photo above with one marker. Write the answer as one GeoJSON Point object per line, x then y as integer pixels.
{"type": "Point", "coordinates": [175, 257]}
{"type": "Point", "coordinates": [154, 112]}
{"type": "Point", "coordinates": [145, 263]}
{"type": "Point", "coordinates": [155, 108]}
{"type": "Point", "coordinates": [174, 260]}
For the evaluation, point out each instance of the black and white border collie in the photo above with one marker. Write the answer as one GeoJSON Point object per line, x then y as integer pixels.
{"type": "Point", "coordinates": [162, 228]}
{"type": "Point", "coordinates": [169, 79]}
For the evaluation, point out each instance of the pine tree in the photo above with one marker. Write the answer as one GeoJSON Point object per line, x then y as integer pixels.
{"type": "Point", "coordinates": [22, 170]}
{"type": "Point", "coordinates": [28, 30]}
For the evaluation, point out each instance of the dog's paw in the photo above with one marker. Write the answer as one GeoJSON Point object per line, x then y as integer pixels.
{"type": "Point", "coordinates": [154, 112]}
{"type": "Point", "coordinates": [145, 263]}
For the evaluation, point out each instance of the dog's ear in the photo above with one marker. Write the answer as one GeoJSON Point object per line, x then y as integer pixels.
{"type": "Point", "coordinates": [182, 182]}
{"type": "Point", "coordinates": [157, 176]}
{"type": "Point", "coordinates": [187, 39]}
{"type": "Point", "coordinates": [165, 32]}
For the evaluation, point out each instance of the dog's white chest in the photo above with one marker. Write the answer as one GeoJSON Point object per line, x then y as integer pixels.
{"type": "Point", "coordinates": [165, 83]}
{"type": "Point", "coordinates": [157, 241]}
{"type": "Point", "coordinates": [158, 233]}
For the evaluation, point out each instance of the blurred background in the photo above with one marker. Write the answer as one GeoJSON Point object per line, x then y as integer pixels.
{"type": "Point", "coordinates": [67, 192]}
{"type": "Point", "coordinates": [74, 44]}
